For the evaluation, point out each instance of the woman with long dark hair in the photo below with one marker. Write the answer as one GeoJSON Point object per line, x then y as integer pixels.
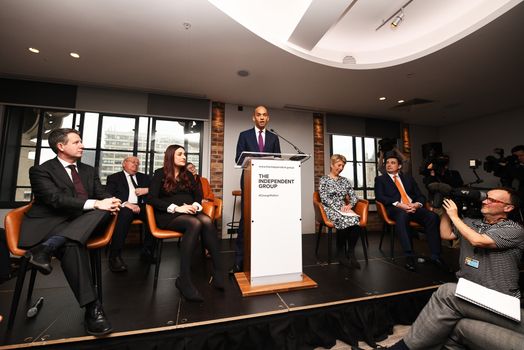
{"type": "Point", "coordinates": [177, 199]}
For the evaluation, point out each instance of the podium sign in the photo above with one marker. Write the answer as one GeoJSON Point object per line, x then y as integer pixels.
{"type": "Point", "coordinates": [272, 224]}
{"type": "Point", "coordinates": [276, 228]}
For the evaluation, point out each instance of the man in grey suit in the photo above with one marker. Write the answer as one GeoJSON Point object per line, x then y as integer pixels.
{"type": "Point", "coordinates": [490, 253]}
{"type": "Point", "coordinates": [69, 205]}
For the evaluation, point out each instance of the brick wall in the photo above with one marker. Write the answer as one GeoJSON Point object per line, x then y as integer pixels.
{"type": "Point", "coordinates": [216, 173]}
{"type": "Point", "coordinates": [318, 146]}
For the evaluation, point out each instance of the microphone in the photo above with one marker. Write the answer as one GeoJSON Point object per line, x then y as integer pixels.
{"type": "Point", "coordinates": [35, 308]}
{"type": "Point", "coordinates": [283, 138]}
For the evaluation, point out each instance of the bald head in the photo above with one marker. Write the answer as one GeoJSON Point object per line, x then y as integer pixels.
{"type": "Point", "coordinates": [261, 117]}
{"type": "Point", "coordinates": [131, 164]}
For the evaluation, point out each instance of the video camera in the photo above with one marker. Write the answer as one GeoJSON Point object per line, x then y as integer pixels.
{"type": "Point", "coordinates": [468, 200]}
{"type": "Point", "coordinates": [501, 166]}
{"type": "Point", "coordinates": [386, 145]}
{"type": "Point", "coordinates": [439, 164]}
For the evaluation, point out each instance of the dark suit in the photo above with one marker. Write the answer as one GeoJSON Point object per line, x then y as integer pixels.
{"type": "Point", "coordinates": [57, 210]}
{"type": "Point", "coordinates": [118, 186]}
{"type": "Point", "coordinates": [248, 142]}
{"type": "Point", "coordinates": [387, 193]}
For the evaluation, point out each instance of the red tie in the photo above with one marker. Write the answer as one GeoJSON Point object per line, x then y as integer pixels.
{"type": "Point", "coordinates": [79, 187]}
{"type": "Point", "coordinates": [403, 194]}
{"type": "Point", "coordinates": [260, 142]}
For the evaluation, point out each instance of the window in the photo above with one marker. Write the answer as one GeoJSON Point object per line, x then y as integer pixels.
{"type": "Point", "coordinates": [361, 166]}
{"type": "Point", "coordinates": [107, 140]}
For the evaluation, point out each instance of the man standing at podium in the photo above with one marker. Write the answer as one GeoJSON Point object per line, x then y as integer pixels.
{"type": "Point", "coordinates": [252, 140]}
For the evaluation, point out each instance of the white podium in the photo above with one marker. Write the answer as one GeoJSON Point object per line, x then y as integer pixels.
{"type": "Point", "coordinates": [272, 224]}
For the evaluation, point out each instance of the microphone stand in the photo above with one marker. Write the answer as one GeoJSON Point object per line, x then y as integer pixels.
{"type": "Point", "coordinates": [283, 138]}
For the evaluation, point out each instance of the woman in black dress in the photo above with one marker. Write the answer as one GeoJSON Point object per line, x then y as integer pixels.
{"type": "Point", "coordinates": [177, 200]}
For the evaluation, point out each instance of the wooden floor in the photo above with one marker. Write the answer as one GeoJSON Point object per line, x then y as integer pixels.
{"type": "Point", "coordinates": [134, 307]}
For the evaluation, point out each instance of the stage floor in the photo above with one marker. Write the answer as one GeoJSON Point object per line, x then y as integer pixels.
{"type": "Point", "coordinates": [134, 307]}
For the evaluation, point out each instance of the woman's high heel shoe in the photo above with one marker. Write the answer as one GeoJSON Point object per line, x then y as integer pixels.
{"type": "Point", "coordinates": [218, 281]}
{"type": "Point", "coordinates": [188, 291]}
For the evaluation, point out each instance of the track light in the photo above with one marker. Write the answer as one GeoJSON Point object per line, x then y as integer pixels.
{"type": "Point", "coordinates": [398, 19]}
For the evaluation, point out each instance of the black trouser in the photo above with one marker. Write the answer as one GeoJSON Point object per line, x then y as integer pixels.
{"type": "Point", "coordinates": [123, 223]}
{"type": "Point", "coordinates": [4, 256]}
{"type": "Point", "coordinates": [426, 218]}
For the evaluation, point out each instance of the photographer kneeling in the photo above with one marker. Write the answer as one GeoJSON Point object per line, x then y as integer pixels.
{"type": "Point", "coordinates": [491, 249]}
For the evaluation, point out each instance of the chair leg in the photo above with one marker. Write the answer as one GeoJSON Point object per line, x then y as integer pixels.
{"type": "Point", "coordinates": [363, 238]}
{"type": "Point", "coordinates": [320, 227]}
{"type": "Point", "coordinates": [18, 290]}
{"type": "Point", "coordinates": [31, 284]}
{"type": "Point", "coordinates": [384, 230]}
{"type": "Point", "coordinates": [330, 234]}
{"type": "Point", "coordinates": [158, 258]}
{"type": "Point", "coordinates": [98, 271]}
{"type": "Point", "coordinates": [392, 235]}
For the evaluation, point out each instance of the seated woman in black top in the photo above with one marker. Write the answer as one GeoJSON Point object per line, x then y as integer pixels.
{"type": "Point", "coordinates": [177, 201]}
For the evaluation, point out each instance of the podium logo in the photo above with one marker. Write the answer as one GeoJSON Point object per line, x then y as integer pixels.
{"type": "Point", "coordinates": [264, 181]}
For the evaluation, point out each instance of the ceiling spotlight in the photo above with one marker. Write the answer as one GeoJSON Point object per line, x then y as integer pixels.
{"type": "Point", "coordinates": [400, 101]}
{"type": "Point", "coordinates": [398, 19]}
{"type": "Point", "coordinates": [382, 98]}
{"type": "Point", "coordinates": [74, 55]}
{"type": "Point", "coordinates": [33, 50]}
{"type": "Point", "coordinates": [243, 73]}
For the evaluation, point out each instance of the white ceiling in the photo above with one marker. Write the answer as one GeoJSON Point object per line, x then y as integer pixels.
{"type": "Point", "coordinates": [144, 46]}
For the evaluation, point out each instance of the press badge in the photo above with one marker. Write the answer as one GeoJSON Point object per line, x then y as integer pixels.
{"type": "Point", "coordinates": [472, 262]}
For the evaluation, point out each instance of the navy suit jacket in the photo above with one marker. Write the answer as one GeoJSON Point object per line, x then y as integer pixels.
{"type": "Point", "coordinates": [118, 187]}
{"type": "Point", "coordinates": [387, 193]}
{"type": "Point", "coordinates": [55, 198]}
{"type": "Point", "coordinates": [248, 142]}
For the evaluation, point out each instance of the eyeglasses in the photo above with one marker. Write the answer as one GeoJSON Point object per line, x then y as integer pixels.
{"type": "Point", "coordinates": [493, 200]}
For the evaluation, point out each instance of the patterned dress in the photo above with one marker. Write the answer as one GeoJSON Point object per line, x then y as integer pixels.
{"type": "Point", "coordinates": [332, 194]}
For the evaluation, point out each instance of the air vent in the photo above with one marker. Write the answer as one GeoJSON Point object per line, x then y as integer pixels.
{"type": "Point", "coordinates": [302, 108]}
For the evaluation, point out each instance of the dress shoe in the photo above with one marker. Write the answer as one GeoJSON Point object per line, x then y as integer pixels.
{"type": "Point", "coordinates": [410, 263]}
{"type": "Point", "coordinates": [234, 269]}
{"type": "Point", "coordinates": [188, 290]}
{"type": "Point", "coordinates": [147, 256]}
{"type": "Point", "coordinates": [217, 280]}
{"type": "Point", "coordinates": [95, 320]}
{"type": "Point", "coordinates": [116, 264]}
{"type": "Point", "coordinates": [441, 264]}
{"type": "Point", "coordinates": [40, 258]}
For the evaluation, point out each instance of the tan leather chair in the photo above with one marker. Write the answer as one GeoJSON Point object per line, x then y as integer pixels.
{"type": "Point", "coordinates": [389, 227]}
{"type": "Point", "coordinates": [361, 208]}
{"type": "Point", "coordinates": [13, 224]}
{"type": "Point", "coordinates": [142, 229]}
{"type": "Point", "coordinates": [208, 208]}
{"type": "Point", "coordinates": [218, 209]}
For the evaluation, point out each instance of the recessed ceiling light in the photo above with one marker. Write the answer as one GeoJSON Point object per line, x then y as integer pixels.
{"type": "Point", "coordinates": [33, 50]}
{"type": "Point", "coordinates": [400, 101]}
{"type": "Point", "coordinates": [74, 54]}
{"type": "Point", "coordinates": [243, 73]}
{"type": "Point", "coordinates": [382, 98]}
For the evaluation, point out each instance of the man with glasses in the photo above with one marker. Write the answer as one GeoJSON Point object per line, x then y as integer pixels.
{"type": "Point", "coordinates": [490, 253]}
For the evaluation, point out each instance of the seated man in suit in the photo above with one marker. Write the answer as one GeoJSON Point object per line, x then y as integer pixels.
{"type": "Point", "coordinates": [69, 205]}
{"type": "Point", "coordinates": [131, 187]}
{"type": "Point", "coordinates": [404, 203]}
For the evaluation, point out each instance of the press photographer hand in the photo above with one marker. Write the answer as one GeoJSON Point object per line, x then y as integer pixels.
{"type": "Point", "coordinates": [450, 207]}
